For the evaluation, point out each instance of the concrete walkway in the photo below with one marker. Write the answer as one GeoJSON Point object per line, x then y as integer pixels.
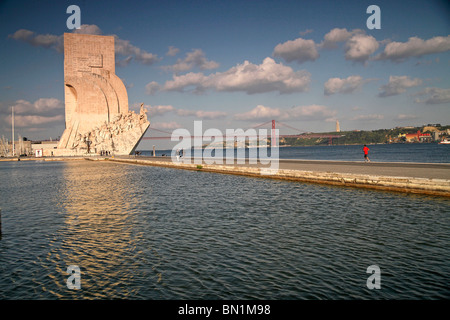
{"type": "Point", "coordinates": [416, 170]}
{"type": "Point", "coordinates": [398, 169]}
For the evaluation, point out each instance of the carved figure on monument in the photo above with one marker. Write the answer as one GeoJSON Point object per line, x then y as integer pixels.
{"type": "Point", "coordinates": [96, 100]}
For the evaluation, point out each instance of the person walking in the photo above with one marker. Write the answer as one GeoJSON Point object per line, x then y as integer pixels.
{"type": "Point", "coordinates": [366, 154]}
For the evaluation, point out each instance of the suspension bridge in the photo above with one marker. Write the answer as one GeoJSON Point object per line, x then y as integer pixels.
{"type": "Point", "coordinates": [298, 134]}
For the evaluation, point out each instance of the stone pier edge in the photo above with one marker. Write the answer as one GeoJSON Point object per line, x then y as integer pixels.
{"type": "Point", "coordinates": [439, 187]}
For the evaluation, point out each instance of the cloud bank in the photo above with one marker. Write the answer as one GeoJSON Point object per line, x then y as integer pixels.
{"type": "Point", "coordinates": [194, 59]}
{"type": "Point", "coordinates": [414, 47]}
{"type": "Point", "coordinates": [160, 110]}
{"type": "Point", "coordinates": [359, 48]}
{"type": "Point", "coordinates": [38, 114]}
{"type": "Point", "coordinates": [310, 113]}
{"type": "Point", "coordinates": [48, 41]}
{"type": "Point", "coordinates": [247, 77]}
{"type": "Point", "coordinates": [347, 85]}
{"type": "Point", "coordinates": [398, 85]}
{"type": "Point", "coordinates": [434, 96]}
{"type": "Point", "coordinates": [299, 50]}
{"type": "Point", "coordinates": [122, 47]}
{"type": "Point", "coordinates": [368, 117]}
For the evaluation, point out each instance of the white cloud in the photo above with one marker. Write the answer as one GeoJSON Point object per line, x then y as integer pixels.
{"type": "Point", "coordinates": [33, 115]}
{"type": "Point", "coordinates": [260, 112]}
{"type": "Point", "coordinates": [88, 29]}
{"type": "Point", "coordinates": [398, 85]}
{"type": "Point", "coordinates": [172, 51]}
{"type": "Point", "coordinates": [303, 33]}
{"type": "Point", "coordinates": [246, 77]}
{"type": "Point", "coordinates": [152, 87]}
{"type": "Point", "coordinates": [122, 47]}
{"type": "Point", "coordinates": [368, 117]}
{"type": "Point", "coordinates": [41, 107]}
{"type": "Point", "coordinates": [25, 121]}
{"type": "Point", "coordinates": [39, 40]}
{"type": "Point", "coordinates": [159, 110]}
{"type": "Point", "coordinates": [347, 85]}
{"type": "Point", "coordinates": [299, 50]}
{"type": "Point", "coordinates": [404, 117]}
{"type": "Point", "coordinates": [166, 125]}
{"type": "Point", "coordinates": [124, 62]}
{"type": "Point", "coordinates": [194, 59]}
{"type": "Point", "coordinates": [434, 96]}
{"type": "Point", "coordinates": [310, 113]}
{"type": "Point", "coordinates": [179, 83]}
{"type": "Point", "coordinates": [202, 114]}
{"type": "Point", "coordinates": [125, 48]}
{"type": "Point", "coordinates": [414, 47]}
{"type": "Point", "coordinates": [359, 47]}
{"type": "Point", "coordinates": [210, 114]}
{"type": "Point", "coordinates": [336, 35]}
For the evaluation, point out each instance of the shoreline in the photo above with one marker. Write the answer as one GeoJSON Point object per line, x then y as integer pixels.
{"type": "Point", "coordinates": [309, 171]}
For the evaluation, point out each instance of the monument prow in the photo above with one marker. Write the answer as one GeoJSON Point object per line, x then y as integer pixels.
{"type": "Point", "coordinates": [97, 117]}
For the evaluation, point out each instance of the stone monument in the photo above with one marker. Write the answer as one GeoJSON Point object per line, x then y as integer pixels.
{"type": "Point", "coordinates": [96, 101]}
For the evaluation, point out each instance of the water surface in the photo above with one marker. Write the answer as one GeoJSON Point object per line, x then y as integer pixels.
{"type": "Point", "coordinates": [140, 232]}
{"type": "Point", "coordinates": [406, 152]}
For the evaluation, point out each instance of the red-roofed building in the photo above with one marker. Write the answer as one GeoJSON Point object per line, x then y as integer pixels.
{"type": "Point", "coordinates": [418, 137]}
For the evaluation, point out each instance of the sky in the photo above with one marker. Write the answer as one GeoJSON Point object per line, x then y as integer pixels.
{"type": "Point", "coordinates": [237, 64]}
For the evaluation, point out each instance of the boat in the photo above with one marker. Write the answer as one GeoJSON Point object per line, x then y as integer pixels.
{"type": "Point", "coordinates": [445, 141]}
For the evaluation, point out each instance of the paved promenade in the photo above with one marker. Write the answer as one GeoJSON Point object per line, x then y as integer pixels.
{"type": "Point", "coordinates": [416, 170]}
{"type": "Point", "coordinates": [398, 169]}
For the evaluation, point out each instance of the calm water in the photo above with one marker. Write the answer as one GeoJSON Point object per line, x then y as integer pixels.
{"type": "Point", "coordinates": [140, 232]}
{"type": "Point", "coordinates": [411, 152]}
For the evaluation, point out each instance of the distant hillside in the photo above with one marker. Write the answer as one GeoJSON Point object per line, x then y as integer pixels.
{"type": "Point", "coordinates": [357, 137]}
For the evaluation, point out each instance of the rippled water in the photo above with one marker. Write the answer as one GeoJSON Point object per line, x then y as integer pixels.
{"type": "Point", "coordinates": [140, 232]}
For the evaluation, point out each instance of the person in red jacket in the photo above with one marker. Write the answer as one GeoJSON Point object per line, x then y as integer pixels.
{"type": "Point", "coordinates": [366, 153]}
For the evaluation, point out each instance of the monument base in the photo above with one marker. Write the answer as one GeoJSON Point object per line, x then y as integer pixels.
{"type": "Point", "coordinates": [118, 137]}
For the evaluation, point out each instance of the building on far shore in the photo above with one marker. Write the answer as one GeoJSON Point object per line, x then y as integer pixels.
{"type": "Point", "coordinates": [417, 137]}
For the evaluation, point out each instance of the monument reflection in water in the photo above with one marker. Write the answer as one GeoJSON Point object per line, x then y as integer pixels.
{"type": "Point", "coordinates": [99, 234]}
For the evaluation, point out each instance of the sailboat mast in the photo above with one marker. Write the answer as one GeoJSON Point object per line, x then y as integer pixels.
{"type": "Point", "coordinates": [13, 151]}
